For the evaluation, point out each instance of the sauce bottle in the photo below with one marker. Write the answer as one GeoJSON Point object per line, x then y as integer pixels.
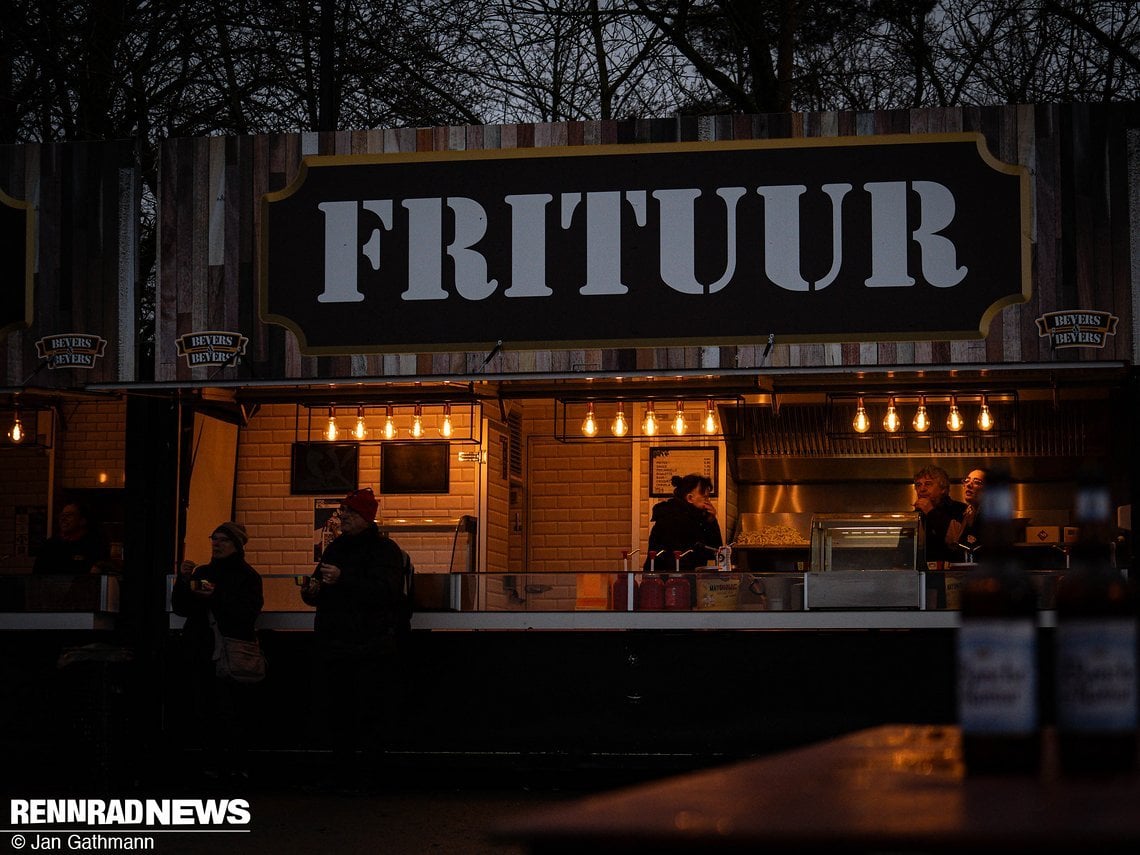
{"type": "Point", "coordinates": [997, 649]}
{"type": "Point", "coordinates": [651, 594]}
{"type": "Point", "coordinates": [1095, 648]}
{"type": "Point", "coordinates": [621, 597]}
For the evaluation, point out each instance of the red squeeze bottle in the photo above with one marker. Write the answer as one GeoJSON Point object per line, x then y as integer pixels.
{"type": "Point", "coordinates": [651, 595]}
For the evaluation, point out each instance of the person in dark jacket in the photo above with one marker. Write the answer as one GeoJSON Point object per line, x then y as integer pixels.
{"type": "Point", "coordinates": [229, 591]}
{"type": "Point", "coordinates": [685, 522]}
{"type": "Point", "coordinates": [967, 532]}
{"type": "Point", "coordinates": [361, 597]}
{"type": "Point", "coordinates": [938, 511]}
{"type": "Point", "coordinates": [76, 547]}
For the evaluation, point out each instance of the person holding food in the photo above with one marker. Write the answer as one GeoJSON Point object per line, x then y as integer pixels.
{"type": "Point", "coordinates": [362, 594]}
{"type": "Point", "coordinates": [226, 592]}
{"type": "Point", "coordinates": [932, 501]}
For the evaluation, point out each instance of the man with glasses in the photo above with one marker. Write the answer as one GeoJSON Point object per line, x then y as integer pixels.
{"type": "Point", "coordinates": [361, 596]}
{"type": "Point", "coordinates": [965, 531]}
{"type": "Point", "coordinates": [932, 500]}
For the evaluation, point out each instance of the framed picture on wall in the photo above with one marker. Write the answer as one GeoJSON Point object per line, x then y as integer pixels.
{"type": "Point", "coordinates": [415, 467]}
{"type": "Point", "coordinates": [324, 468]}
{"type": "Point", "coordinates": [665, 461]}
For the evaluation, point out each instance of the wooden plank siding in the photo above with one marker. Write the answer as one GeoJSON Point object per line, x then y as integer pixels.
{"type": "Point", "coordinates": [1076, 156]}
{"type": "Point", "coordinates": [209, 210]}
{"type": "Point", "coordinates": [86, 197]}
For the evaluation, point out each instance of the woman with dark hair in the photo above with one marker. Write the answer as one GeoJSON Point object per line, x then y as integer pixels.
{"type": "Point", "coordinates": [685, 522]}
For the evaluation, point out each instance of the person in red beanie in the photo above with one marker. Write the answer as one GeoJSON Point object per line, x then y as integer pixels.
{"type": "Point", "coordinates": [361, 593]}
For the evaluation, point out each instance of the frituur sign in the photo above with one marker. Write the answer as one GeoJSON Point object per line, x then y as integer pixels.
{"type": "Point", "coordinates": [899, 237]}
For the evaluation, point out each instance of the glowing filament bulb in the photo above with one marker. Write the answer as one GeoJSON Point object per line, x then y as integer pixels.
{"type": "Point", "coordinates": [360, 431]}
{"type": "Point", "coordinates": [445, 429]}
{"type": "Point", "coordinates": [921, 421]}
{"type": "Point", "coordinates": [590, 424]}
{"type": "Point", "coordinates": [619, 426]}
{"type": "Point", "coordinates": [16, 432]}
{"type": "Point", "coordinates": [418, 423]}
{"type": "Point", "coordinates": [709, 424]}
{"type": "Point", "coordinates": [649, 424]}
{"type": "Point", "coordinates": [954, 420]}
{"type": "Point", "coordinates": [891, 421]}
{"type": "Point", "coordinates": [985, 420]}
{"type": "Point", "coordinates": [861, 423]}
{"type": "Point", "coordinates": [389, 425]}
{"type": "Point", "coordinates": [330, 428]}
{"type": "Point", "coordinates": [679, 419]}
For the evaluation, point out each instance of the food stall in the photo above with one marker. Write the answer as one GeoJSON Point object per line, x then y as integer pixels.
{"type": "Point", "coordinates": [518, 372]}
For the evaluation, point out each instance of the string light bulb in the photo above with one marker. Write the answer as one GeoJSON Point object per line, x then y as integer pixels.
{"type": "Point", "coordinates": [985, 420]}
{"type": "Point", "coordinates": [861, 424]}
{"type": "Point", "coordinates": [891, 421]}
{"type": "Point", "coordinates": [954, 420]}
{"type": "Point", "coordinates": [590, 424]}
{"type": "Point", "coordinates": [330, 429]}
{"type": "Point", "coordinates": [619, 426]}
{"type": "Point", "coordinates": [445, 429]}
{"type": "Point", "coordinates": [360, 431]}
{"type": "Point", "coordinates": [16, 433]}
{"type": "Point", "coordinates": [649, 423]}
{"type": "Point", "coordinates": [921, 422]}
{"type": "Point", "coordinates": [679, 425]}
{"type": "Point", "coordinates": [709, 424]}
{"type": "Point", "coordinates": [418, 423]}
{"type": "Point", "coordinates": [389, 425]}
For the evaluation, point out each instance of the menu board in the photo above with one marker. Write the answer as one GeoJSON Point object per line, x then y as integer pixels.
{"type": "Point", "coordinates": [667, 461]}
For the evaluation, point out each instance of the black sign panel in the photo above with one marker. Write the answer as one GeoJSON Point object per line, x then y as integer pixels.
{"type": "Point", "coordinates": [903, 237]}
{"type": "Point", "coordinates": [16, 261]}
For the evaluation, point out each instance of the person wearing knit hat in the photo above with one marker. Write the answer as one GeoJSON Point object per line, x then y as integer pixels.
{"type": "Point", "coordinates": [362, 593]}
{"type": "Point", "coordinates": [227, 592]}
{"type": "Point", "coordinates": [235, 532]}
{"type": "Point", "coordinates": [363, 502]}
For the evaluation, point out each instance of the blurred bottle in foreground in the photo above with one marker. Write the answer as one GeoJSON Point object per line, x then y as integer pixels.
{"type": "Point", "coordinates": [1095, 647]}
{"type": "Point", "coordinates": [997, 649]}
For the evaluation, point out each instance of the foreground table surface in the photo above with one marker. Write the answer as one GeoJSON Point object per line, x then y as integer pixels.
{"type": "Point", "coordinates": [892, 788]}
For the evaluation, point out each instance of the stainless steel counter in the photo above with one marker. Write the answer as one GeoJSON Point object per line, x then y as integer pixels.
{"type": "Point", "coordinates": [609, 620]}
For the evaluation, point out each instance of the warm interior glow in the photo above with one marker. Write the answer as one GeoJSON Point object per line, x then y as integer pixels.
{"type": "Point", "coordinates": [861, 423]}
{"type": "Point", "coordinates": [330, 428]}
{"type": "Point", "coordinates": [985, 420]}
{"type": "Point", "coordinates": [619, 426]}
{"type": "Point", "coordinates": [16, 432]}
{"type": "Point", "coordinates": [418, 423]}
{"type": "Point", "coordinates": [445, 429]}
{"type": "Point", "coordinates": [954, 420]}
{"type": "Point", "coordinates": [921, 421]}
{"type": "Point", "coordinates": [679, 425]}
{"type": "Point", "coordinates": [649, 424]}
{"type": "Point", "coordinates": [709, 424]}
{"type": "Point", "coordinates": [590, 424]}
{"type": "Point", "coordinates": [891, 421]}
{"type": "Point", "coordinates": [360, 431]}
{"type": "Point", "coordinates": [389, 425]}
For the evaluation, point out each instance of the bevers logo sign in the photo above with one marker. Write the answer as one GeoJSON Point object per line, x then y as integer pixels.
{"type": "Point", "coordinates": [71, 350]}
{"type": "Point", "coordinates": [211, 347]}
{"type": "Point", "coordinates": [898, 237]}
{"type": "Point", "coordinates": [1077, 328]}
